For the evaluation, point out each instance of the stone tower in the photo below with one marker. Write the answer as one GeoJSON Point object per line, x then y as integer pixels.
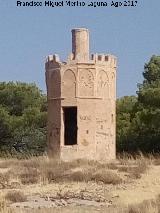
{"type": "Point", "coordinates": [81, 103]}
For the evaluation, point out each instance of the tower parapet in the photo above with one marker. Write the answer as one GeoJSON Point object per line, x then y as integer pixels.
{"type": "Point", "coordinates": [53, 58]}
{"type": "Point", "coordinates": [104, 58]}
{"type": "Point", "coordinates": [52, 61]}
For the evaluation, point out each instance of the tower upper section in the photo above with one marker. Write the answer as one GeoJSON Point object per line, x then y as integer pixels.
{"type": "Point", "coordinates": [80, 53]}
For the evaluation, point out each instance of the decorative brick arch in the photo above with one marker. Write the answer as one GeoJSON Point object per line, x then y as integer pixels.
{"type": "Point", "coordinates": [69, 84]}
{"type": "Point", "coordinates": [86, 83]}
{"type": "Point", "coordinates": [102, 84]}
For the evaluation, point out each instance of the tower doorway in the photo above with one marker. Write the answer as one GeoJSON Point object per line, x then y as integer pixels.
{"type": "Point", "coordinates": [70, 125]}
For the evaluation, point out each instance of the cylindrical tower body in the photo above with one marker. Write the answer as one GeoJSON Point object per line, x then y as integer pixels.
{"type": "Point", "coordinates": [80, 44]}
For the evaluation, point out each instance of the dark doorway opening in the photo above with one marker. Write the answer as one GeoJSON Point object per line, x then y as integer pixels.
{"type": "Point", "coordinates": [70, 125]}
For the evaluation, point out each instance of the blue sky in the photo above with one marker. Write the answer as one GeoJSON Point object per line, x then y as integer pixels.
{"type": "Point", "coordinates": [28, 35]}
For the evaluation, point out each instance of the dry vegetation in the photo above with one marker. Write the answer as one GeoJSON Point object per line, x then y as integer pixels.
{"type": "Point", "coordinates": [147, 206]}
{"type": "Point", "coordinates": [15, 196]}
{"type": "Point", "coordinates": [21, 178]}
{"type": "Point", "coordinates": [44, 170]}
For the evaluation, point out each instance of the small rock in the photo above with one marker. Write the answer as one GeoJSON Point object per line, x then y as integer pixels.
{"type": "Point", "coordinates": [64, 202]}
{"type": "Point", "coordinates": [114, 196]}
{"type": "Point", "coordinates": [58, 203]}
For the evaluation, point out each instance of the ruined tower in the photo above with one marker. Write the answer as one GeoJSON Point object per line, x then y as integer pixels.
{"type": "Point", "coordinates": [81, 103]}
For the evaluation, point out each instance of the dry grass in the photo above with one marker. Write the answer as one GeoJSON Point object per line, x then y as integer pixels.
{"type": "Point", "coordinates": [4, 179]}
{"type": "Point", "coordinates": [3, 206]}
{"type": "Point", "coordinates": [148, 206]}
{"type": "Point", "coordinates": [156, 161]}
{"type": "Point", "coordinates": [107, 177]}
{"type": "Point", "coordinates": [5, 163]}
{"type": "Point", "coordinates": [47, 170]}
{"type": "Point", "coordinates": [134, 166]}
{"type": "Point", "coordinates": [15, 196]}
{"type": "Point", "coordinates": [80, 176]}
{"type": "Point", "coordinates": [112, 166]}
{"type": "Point", "coordinates": [29, 176]}
{"type": "Point", "coordinates": [96, 175]}
{"type": "Point", "coordinates": [42, 170]}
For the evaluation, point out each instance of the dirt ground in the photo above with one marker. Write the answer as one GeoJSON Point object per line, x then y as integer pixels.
{"type": "Point", "coordinates": [110, 188]}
